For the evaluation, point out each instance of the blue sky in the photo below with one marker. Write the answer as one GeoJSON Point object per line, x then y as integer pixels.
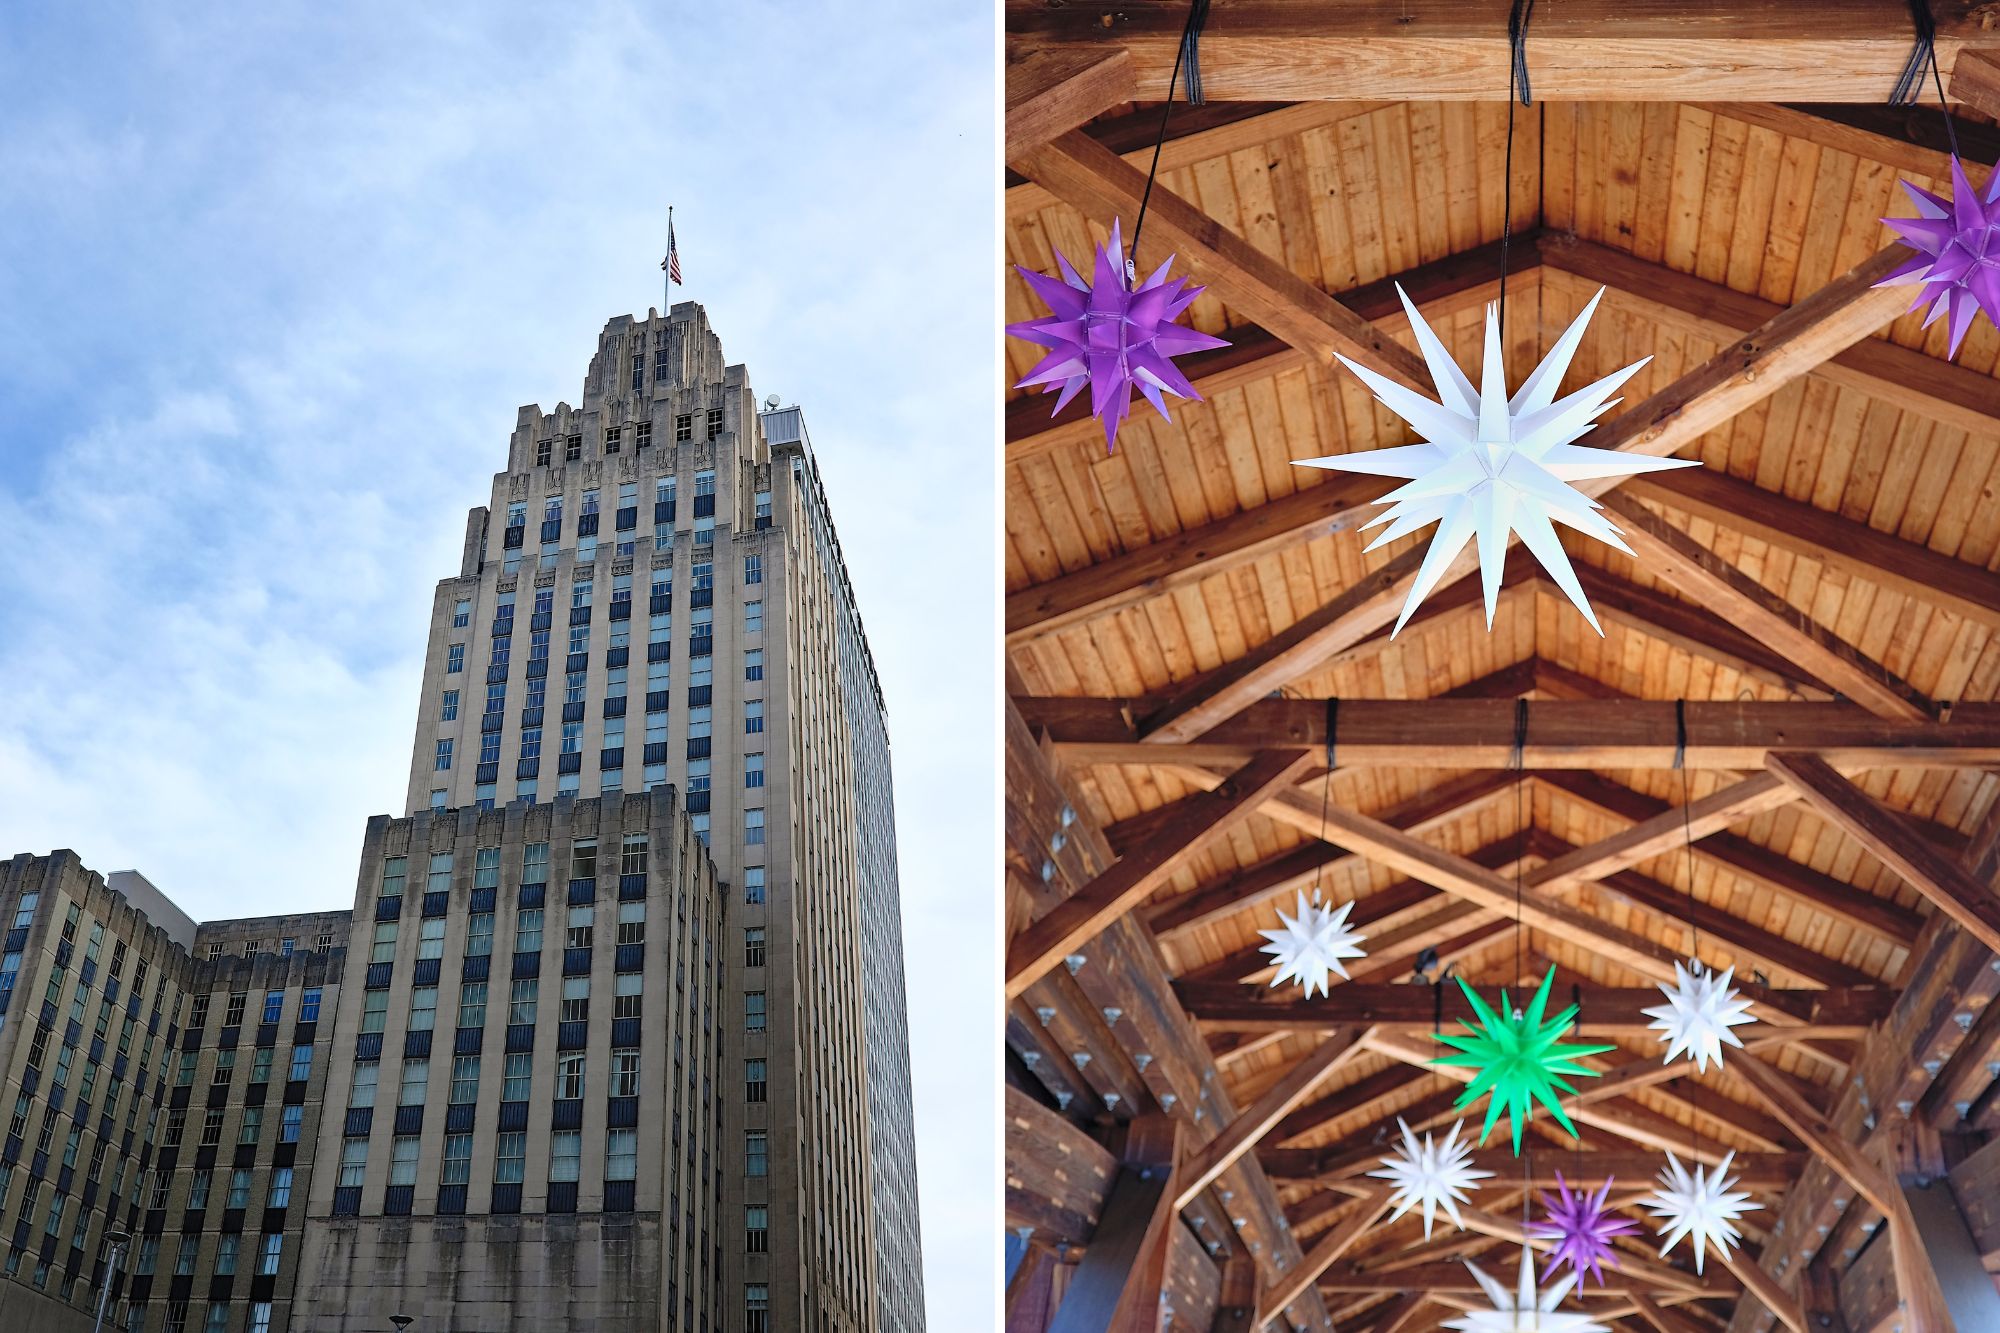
{"type": "Point", "coordinates": [273, 281]}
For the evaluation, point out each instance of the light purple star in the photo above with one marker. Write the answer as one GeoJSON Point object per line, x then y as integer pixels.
{"type": "Point", "coordinates": [1112, 337]}
{"type": "Point", "coordinates": [1958, 252]}
{"type": "Point", "coordinates": [1582, 1228]}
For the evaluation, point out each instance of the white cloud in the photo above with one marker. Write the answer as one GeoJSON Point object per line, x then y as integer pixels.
{"type": "Point", "coordinates": [288, 275]}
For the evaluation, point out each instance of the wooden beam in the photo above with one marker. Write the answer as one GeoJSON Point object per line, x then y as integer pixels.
{"type": "Point", "coordinates": [1765, 1288]}
{"type": "Point", "coordinates": [1748, 860]}
{"type": "Point", "coordinates": [1748, 371]}
{"type": "Point", "coordinates": [1608, 1011]}
{"type": "Point", "coordinates": [1677, 559]}
{"type": "Point", "coordinates": [1692, 628]}
{"type": "Point", "coordinates": [1975, 80]}
{"type": "Point", "coordinates": [1536, 1168]}
{"type": "Point", "coordinates": [1964, 1288]}
{"type": "Point", "coordinates": [1432, 50]}
{"type": "Point", "coordinates": [1892, 840]}
{"type": "Point", "coordinates": [1322, 1256]}
{"type": "Point", "coordinates": [1051, 91]}
{"type": "Point", "coordinates": [1663, 832]}
{"type": "Point", "coordinates": [1479, 733]}
{"type": "Point", "coordinates": [1803, 1119]}
{"type": "Point", "coordinates": [1081, 171]}
{"type": "Point", "coordinates": [1910, 379]}
{"type": "Point", "coordinates": [1117, 1285]}
{"type": "Point", "coordinates": [1511, 1230]}
{"type": "Point", "coordinates": [1132, 879]}
{"type": "Point", "coordinates": [1204, 1166]}
{"type": "Point", "coordinates": [1909, 138]}
{"type": "Point", "coordinates": [1661, 1318]}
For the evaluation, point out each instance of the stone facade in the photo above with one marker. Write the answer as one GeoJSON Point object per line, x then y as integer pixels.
{"type": "Point", "coordinates": [655, 594]}
{"type": "Point", "coordinates": [614, 1036]}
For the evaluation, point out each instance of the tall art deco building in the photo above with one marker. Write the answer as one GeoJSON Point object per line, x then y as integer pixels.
{"type": "Point", "coordinates": [614, 1035]}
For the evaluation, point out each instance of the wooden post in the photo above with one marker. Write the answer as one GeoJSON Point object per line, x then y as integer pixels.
{"type": "Point", "coordinates": [1117, 1286]}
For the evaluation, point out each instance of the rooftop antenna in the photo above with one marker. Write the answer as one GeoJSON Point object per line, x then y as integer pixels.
{"type": "Point", "coordinates": [771, 403]}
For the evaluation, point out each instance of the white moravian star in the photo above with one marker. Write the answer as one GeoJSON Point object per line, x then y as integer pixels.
{"type": "Point", "coordinates": [1701, 1009]}
{"type": "Point", "coordinates": [1489, 465]}
{"type": "Point", "coordinates": [1699, 1205]}
{"type": "Point", "coordinates": [1431, 1175]}
{"type": "Point", "coordinates": [1527, 1310]}
{"type": "Point", "coordinates": [1308, 948]}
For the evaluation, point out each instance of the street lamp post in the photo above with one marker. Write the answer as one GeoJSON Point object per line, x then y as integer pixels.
{"type": "Point", "coordinates": [115, 1243]}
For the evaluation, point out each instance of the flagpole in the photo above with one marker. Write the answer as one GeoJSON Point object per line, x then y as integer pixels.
{"type": "Point", "coordinates": [666, 269]}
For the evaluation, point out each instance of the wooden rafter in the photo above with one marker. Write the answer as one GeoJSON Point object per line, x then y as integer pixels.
{"type": "Point", "coordinates": [1244, 1133]}
{"type": "Point", "coordinates": [1323, 1255]}
{"type": "Point", "coordinates": [1456, 49]}
{"type": "Point", "coordinates": [1051, 92]}
{"type": "Point", "coordinates": [1562, 734]}
{"type": "Point", "coordinates": [1134, 877]}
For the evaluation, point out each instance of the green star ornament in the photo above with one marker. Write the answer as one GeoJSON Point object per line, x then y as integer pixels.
{"type": "Point", "coordinates": [1519, 1059]}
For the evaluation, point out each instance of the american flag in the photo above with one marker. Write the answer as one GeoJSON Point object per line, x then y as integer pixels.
{"type": "Point", "coordinates": [672, 263]}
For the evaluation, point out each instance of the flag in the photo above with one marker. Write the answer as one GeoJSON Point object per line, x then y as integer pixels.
{"type": "Point", "coordinates": [672, 263]}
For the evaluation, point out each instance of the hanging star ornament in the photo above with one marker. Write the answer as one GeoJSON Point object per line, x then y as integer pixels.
{"type": "Point", "coordinates": [1112, 336]}
{"type": "Point", "coordinates": [1431, 1175]}
{"type": "Point", "coordinates": [1582, 1227]}
{"type": "Point", "coordinates": [1701, 1009]}
{"type": "Point", "coordinates": [1519, 1058]}
{"type": "Point", "coordinates": [1957, 264]}
{"type": "Point", "coordinates": [1700, 1205]}
{"type": "Point", "coordinates": [1525, 1310]}
{"type": "Point", "coordinates": [1308, 948]}
{"type": "Point", "coordinates": [1489, 465]}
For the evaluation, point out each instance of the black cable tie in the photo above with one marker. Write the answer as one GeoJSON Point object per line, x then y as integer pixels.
{"type": "Point", "coordinates": [1680, 732]}
{"type": "Point", "coordinates": [1517, 34]}
{"type": "Point", "coordinates": [1332, 733]}
{"type": "Point", "coordinates": [1519, 760]}
{"type": "Point", "coordinates": [1910, 84]}
{"type": "Point", "coordinates": [1437, 1006]}
{"type": "Point", "coordinates": [1191, 50]}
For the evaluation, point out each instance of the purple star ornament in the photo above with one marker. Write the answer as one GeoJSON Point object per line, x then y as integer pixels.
{"type": "Point", "coordinates": [1112, 336]}
{"type": "Point", "coordinates": [1958, 252]}
{"type": "Point", "coordinates": [1582, 1228]}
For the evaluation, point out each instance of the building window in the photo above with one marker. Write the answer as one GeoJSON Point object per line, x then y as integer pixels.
{"type": "Point", "coordinates": [573, 448]}
{"type": "Point", "coordinates": [225, 1254]}
{"type": "Point", "coordinates": [423, 1008]}
{"type": "Point", "coordinates": [683, 427]}
{"type": "Point", "coordinates": [353, 1163]}
{"type": "Point", "coordinates": [302, 1062]}
{"type": "Point", "coordinates": [626, 999]}
{"type": "Point", "coordinates": [517, 1077]}
{"type": "Point", "coordinates": [510, 1160]}
{"type": "Point", "coordinates": [439, 879]}
{"type": "Point", "coordinates": [753, 717]}
{"type": "Point", "coordinates": [757, 1229]}
{"type": "Point", "coordinates": [528, 930]}
{"type": "Point", "coordinates": [290, 1120]}
{"type": "Point", "coordinates": [580, 929]}
{"type": "Point", "coordinates": [753, 827]}
{"type": "Point", "coordinates": [611, 442]}
{"type": "Point", "coordinates": [430, 935]}
{"type": "Point", "coordinates": [479, 934]}
{"type": "Point", "coordinates": [457, 1169]}
{"type": "Point", "coordinates": [383, 950]}
{"type": "Point", "coordinates": [184, 1259]}
{"type": "Point", "coordinates": [545, 450]}
{"type": "Point", "coordinates": [442, 762]}
{"type": "Point", "coordinates": [281, 1188]}
{"type": "Point", "coordinates": [625, 1072]}
{"type": "Point", "coordinates": [621, 1154]}
{"type": "Point", "coordinates": [565, 1155]}
{"type": "Point", "coordinates": [522, 1000]}
{"type": "Point", "coordinates": [753, 617]}
{"type": "Point", "coordinates": [416, 1083]}
{"type": "Point", "coordinates": [753, 569]}
{"type": "Point", "coordinates": [753, 884]}
{"type": "Point", "coordinates": [576, 1000]}
{"type": "Point", "coordinates": [374, 1010]}
{"type": "Point", "coordinates": [211, 1127]}
{"type": "Point", "coordinates": [638, 371]}
{"type": "Point", "coordinates": [631, 923]}
{"type": "Point", "coordinates": [569, 1077]}
{"type": "Point", "coordinates": [753, 946]}
{"type": "Point", "coordinates": [753, 770]}
{"type": "Point", "coordinates": [251, 1129]}
{"type": "Point", "coordinates": [472, 1004]}
{"type": "Point", "coordinates": [260, 1317]}
{"type": "Point", "coordinates": [753, 1011]}
{"type": "Point", "coordinates": [448, 709]}
{"type": "Point", "coordinates": [309, 1001]}
{"type": "Point", "coordinates": [754, 1081]}
{"type": "Point", "coordinates": [437, 798]}
{"type": "Point", "coordinates": [464, 1080]}
{"type": "Point", "coordinates": [461, 613]}
{"type": "Point", "coordinates": [260, 1065]}
{"type": "Point", "coordinates": [753, 664]}
{"type": "Point", "coordinates": [756, 1153]}
{"type": "Point", "coordinates": [633, 855]}
{"type": "Point", "coordinates": [454, 658]}
{"type": "Point", "coordinates": [714, 422]}
{"type": "Point", "coordinates": [271, 1255]}
{"type": "Point", "coordinates": [642, 435]}
{"type": "Point", "coordinates": [763, 509]}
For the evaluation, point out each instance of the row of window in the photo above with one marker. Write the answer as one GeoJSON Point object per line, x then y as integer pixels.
{"type": "Point", "coordinates": [642, 431]}
{"type": "Point", "coordinates": [271, 1011]}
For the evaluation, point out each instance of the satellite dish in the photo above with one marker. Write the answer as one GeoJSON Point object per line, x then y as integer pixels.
{"type": "Point", "coordinates": [771, 403]}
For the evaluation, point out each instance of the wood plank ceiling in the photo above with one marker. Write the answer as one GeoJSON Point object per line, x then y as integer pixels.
{"type": "Point", "coordinates": [1859, 497]}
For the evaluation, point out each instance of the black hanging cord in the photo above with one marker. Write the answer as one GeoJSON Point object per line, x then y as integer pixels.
{"type": "Point", "coordinates": [1189, 55]}
{"type": "Point", "coordinates": [1518, 762]}
{"type": "Point", "coordinates": [1909, 89]}
{"type": "Point", "coordinates": [1326, 791]}
{"type": "Point", "coordinates": [1517, 86]}
{"type": "Point", "coordinates": [1694, 930]}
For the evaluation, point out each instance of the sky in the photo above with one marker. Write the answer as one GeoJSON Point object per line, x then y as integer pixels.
{"type": "Point", "coordinates": [274, 280]}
